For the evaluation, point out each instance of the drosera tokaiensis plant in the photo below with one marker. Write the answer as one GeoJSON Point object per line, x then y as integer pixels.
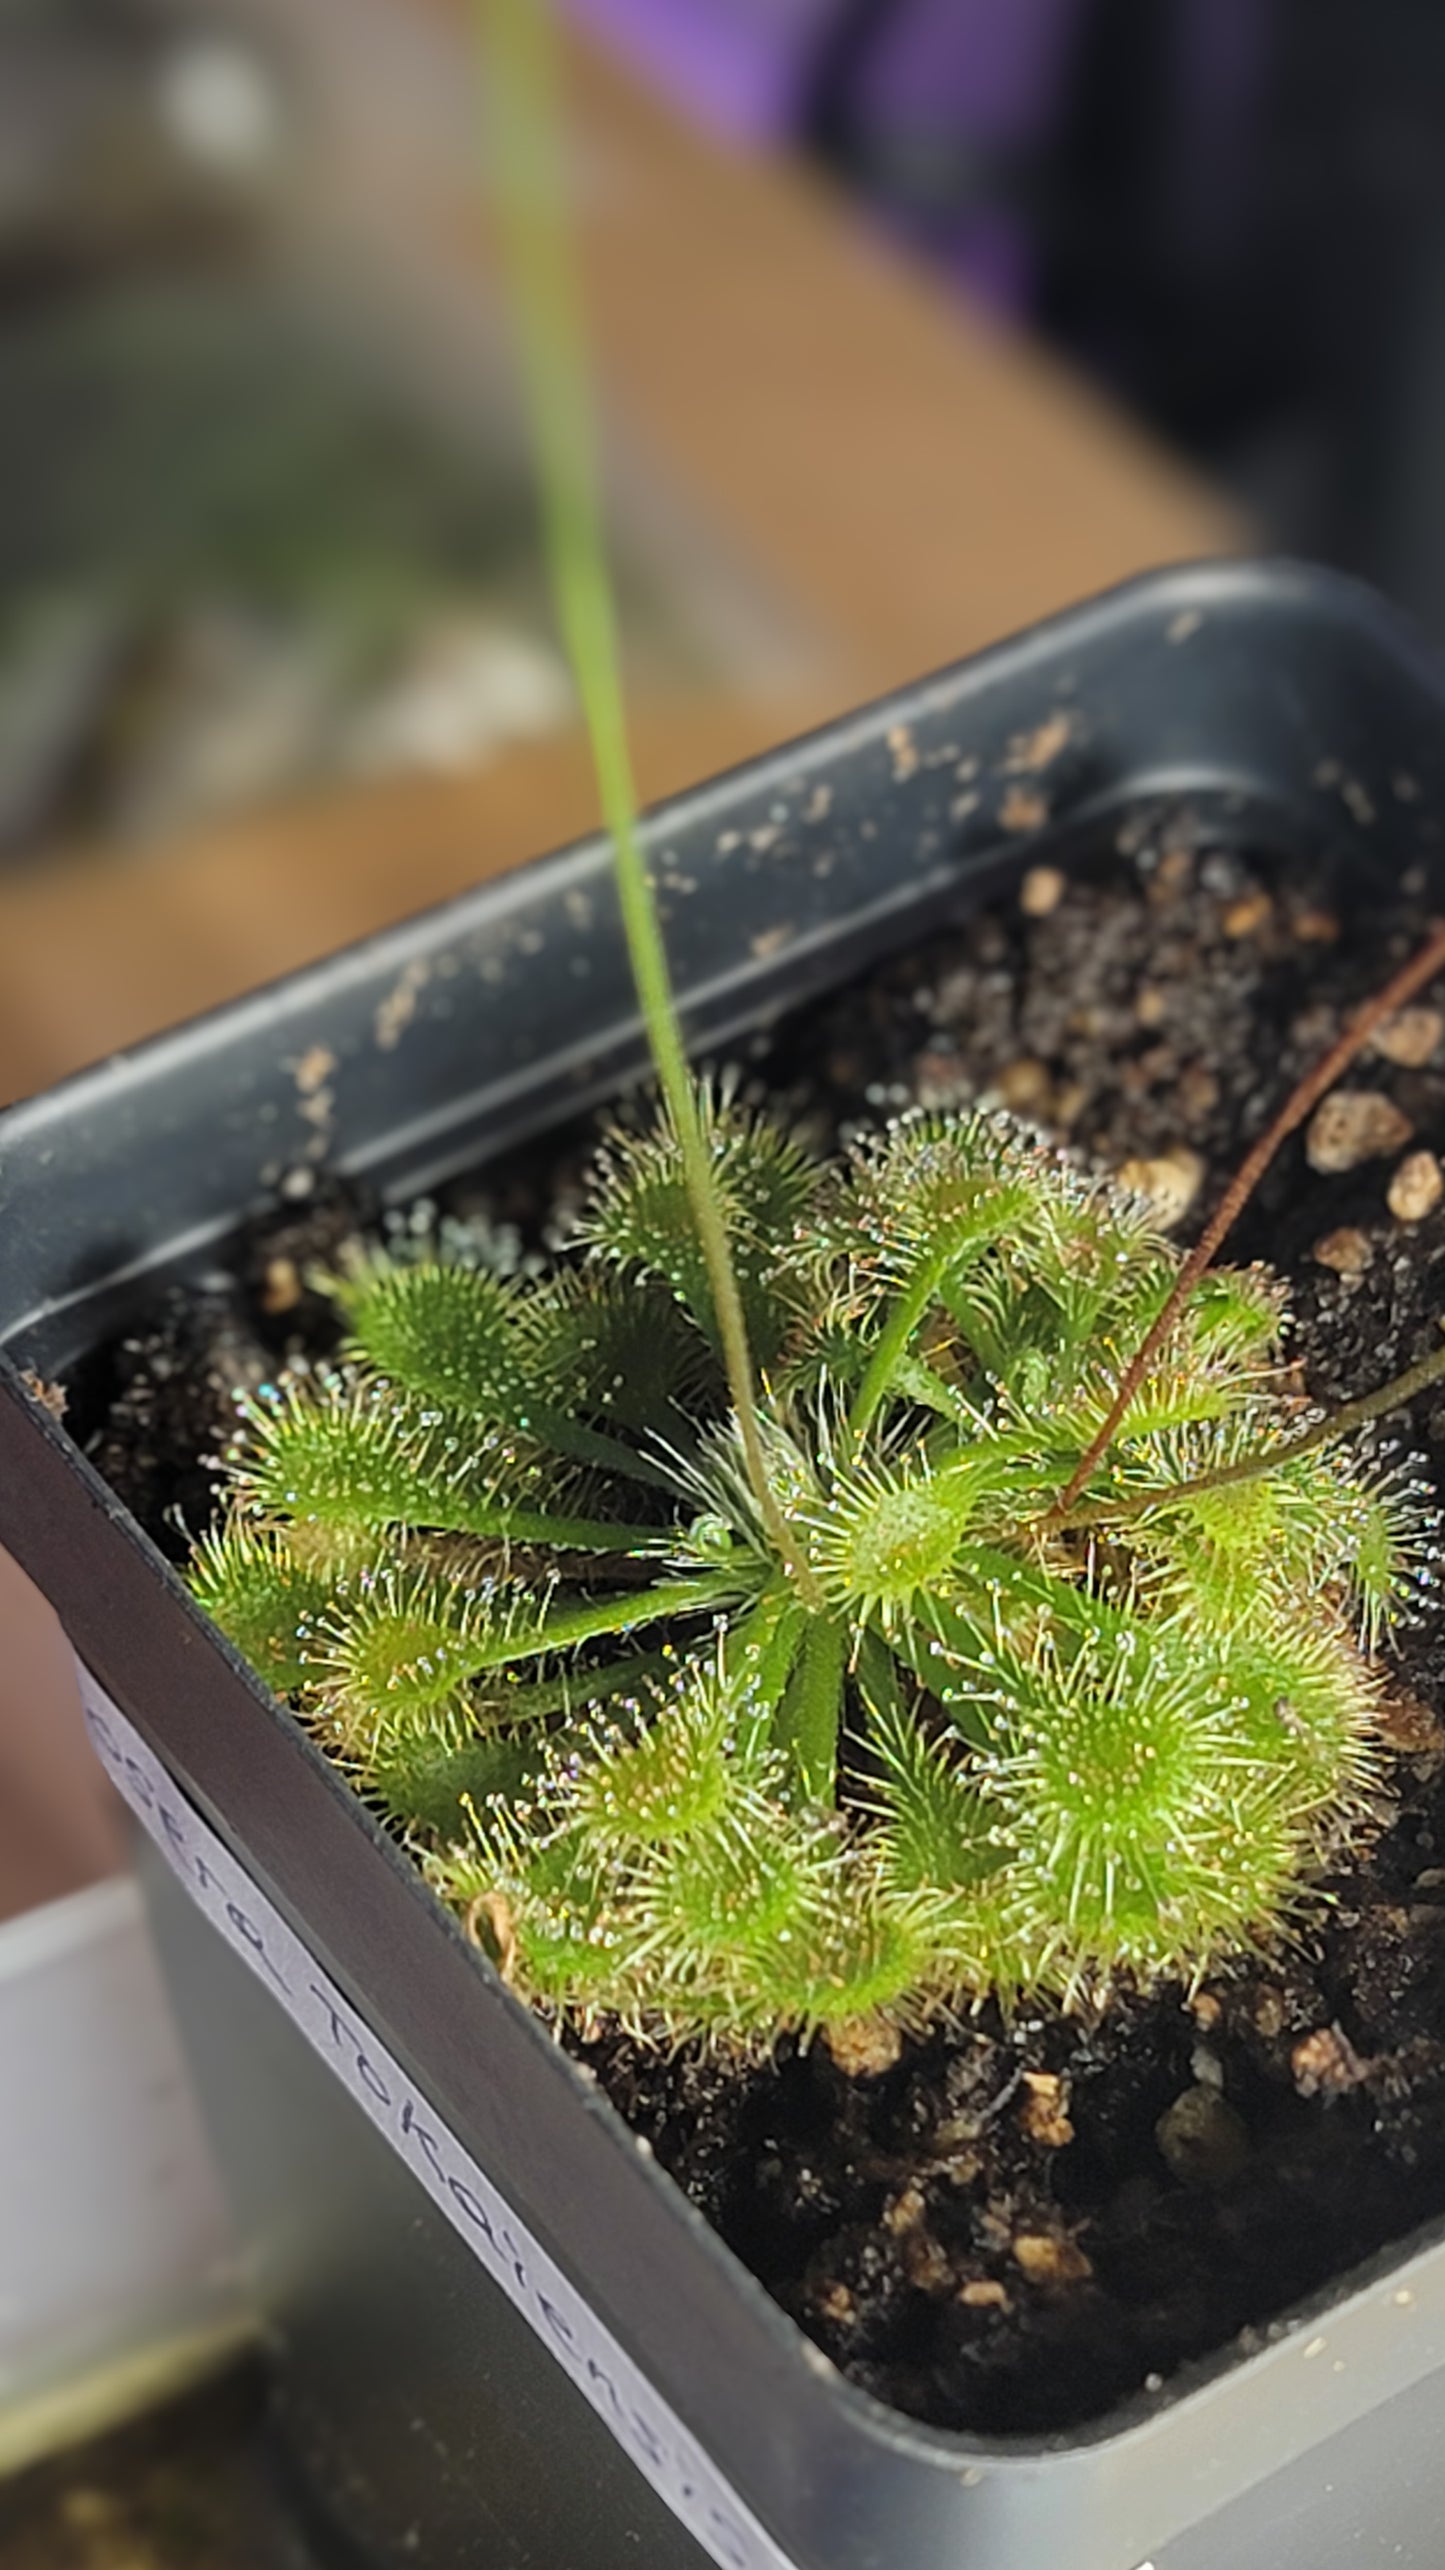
{"type": "Point", "coordinates": [509, 1562]}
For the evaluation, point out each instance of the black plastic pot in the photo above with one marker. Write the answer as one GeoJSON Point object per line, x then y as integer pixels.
{"type": "Point", "coordinates": [501, 2334]}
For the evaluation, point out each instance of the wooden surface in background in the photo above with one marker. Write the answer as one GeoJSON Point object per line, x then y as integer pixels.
{"type": "Point", "coordinates": [908, 481]}
{"type": "Point", "coordinates": [96, 953]}
{"type": "Point", "coordinates": [61, 1826]}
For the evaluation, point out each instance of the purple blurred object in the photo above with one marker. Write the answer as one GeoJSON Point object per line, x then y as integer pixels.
{"type": "Point", "coordinates": [956, 101]}
{"type": "Point", "coordinates": [946, 115]}
{"type": "Point", "coordinates": [943, 98]}
{"type": "Point", "coordinates": [739, 66]}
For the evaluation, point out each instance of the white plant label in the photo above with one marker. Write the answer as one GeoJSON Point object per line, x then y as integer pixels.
{"type": "Point", "coordinates": [664, 2451]}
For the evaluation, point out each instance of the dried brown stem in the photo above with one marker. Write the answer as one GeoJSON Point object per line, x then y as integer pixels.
{"type": "Point", "coordinates": [1427, 961]}
{"type": "Point", "coordinates": [1394, 1395]}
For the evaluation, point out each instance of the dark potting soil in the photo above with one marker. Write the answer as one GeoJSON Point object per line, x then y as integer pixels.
{"type": "Point", "coordinates": [1012, 2225]}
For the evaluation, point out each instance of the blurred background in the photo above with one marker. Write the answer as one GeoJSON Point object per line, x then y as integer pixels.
{"type": "Point", "coordinates": [883, 368]}
{"type": "Point", "coordinates": [913, 320]}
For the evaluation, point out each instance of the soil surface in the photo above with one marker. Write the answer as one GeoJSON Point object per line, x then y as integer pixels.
{"type": "Point", "coordinates": [1013, 2225]}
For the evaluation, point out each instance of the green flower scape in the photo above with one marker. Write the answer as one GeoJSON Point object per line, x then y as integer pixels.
{"type": "Point", "coordinates": [920, 1729]}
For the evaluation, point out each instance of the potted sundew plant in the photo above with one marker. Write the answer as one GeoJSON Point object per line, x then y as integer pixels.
{"type": "Point", "coordinates": [988, 1859]}
{"type": "Point", "coordinates": [874, 1626]}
